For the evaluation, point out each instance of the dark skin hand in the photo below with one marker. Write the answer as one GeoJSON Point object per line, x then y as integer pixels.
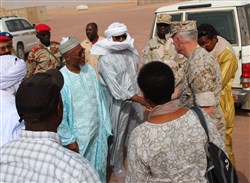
{"type": "Point", "coordinates": [141, 101]}
{"type": "Point", "coordinates": [73, 147]}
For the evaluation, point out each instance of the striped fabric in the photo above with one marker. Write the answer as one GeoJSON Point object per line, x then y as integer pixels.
{"type": "Point", "coordinates": [39, 157]}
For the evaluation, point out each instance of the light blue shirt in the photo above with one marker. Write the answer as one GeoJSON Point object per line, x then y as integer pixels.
{"type": "Point", "coordinates": [86, 118]}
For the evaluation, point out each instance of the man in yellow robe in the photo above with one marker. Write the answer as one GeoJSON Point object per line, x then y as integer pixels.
{"type": "Point", "coordinates": [222, 50]}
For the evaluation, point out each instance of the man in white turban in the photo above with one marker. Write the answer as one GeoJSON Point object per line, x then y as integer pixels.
{"type": "Point", "coordinates": [12, 71]}
{"type": "Point", "coordinates": [118, 67]}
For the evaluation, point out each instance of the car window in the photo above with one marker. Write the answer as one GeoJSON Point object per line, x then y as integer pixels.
{"type": "Point", "coordinates": [26, 25]}
{"type": "Point", "coordinates": [10, 26]}
{"type": "Point", "coordinates": [223, 22]}
{"type": "Point", "coordinates": [14, 25]}
{"type": "Point", "coordinates": [176, 17]}
{"type": "Point", "coordinates": [244, 23]}
{"type": "Point", "coordinates": [247, 10]}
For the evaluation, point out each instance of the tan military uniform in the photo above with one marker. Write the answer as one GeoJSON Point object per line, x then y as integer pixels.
{"type": "Point", "coordinates": [90, 58]}
{"type": "Point", "coordinates": [202, 76]}
{"type": "Point", "coordinates": [40, 59]}
{"type": "Point", "coordinates": [162, 50]}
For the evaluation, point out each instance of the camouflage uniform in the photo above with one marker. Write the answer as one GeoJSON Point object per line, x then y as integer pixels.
{"type": "Point", "coordinates": [90, 58]}
{"type": "Point", "coordinates": [161, 50]}
{"type": "Point", "coordinates": [202, 75]}
{"type": "Point", "coordinates": [40, 60]}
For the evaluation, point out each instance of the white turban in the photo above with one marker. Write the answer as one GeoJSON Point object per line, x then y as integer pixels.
{"type": "Point", "coordinates": [107, 45]}
{"type": "Point", "coordinates": [116, 29]}
{"type": "Point", "coordinates": [12, 71]}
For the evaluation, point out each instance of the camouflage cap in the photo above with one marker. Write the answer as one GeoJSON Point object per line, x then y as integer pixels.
{"type": "Point", "coordinates": [182, 26]}
{"type": "Point", "coordinates": [164, 18]}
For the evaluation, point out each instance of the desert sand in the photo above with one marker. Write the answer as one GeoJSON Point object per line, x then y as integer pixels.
{"type": "Point", "coordinates": [68, 21]}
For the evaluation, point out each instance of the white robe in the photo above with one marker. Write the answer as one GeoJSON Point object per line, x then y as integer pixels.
{"type": "Point", "coordinates": [9, 118]}
{"type": "Point", "coordinates": [118, 77]}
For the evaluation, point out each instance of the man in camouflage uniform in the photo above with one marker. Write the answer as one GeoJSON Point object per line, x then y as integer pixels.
{"type": "Point", "coordinates": [87, 44]}
{"type": "Point", "coordinates": [45, 55]}
{"type": "Point", "coordinates": [201, 83]}
{"type": "Point", "coordinates": [161, 48]}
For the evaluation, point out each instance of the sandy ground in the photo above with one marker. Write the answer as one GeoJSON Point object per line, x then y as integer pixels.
{"type": "Point", "coordinates": [139, 19]}
{"type": "Point", "coordinates": [68, 21]}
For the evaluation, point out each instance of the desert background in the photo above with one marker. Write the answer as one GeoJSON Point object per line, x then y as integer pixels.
{"type": "Point", "coordinates": [66, 21]}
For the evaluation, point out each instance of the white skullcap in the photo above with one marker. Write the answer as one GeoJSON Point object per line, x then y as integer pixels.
{"type": "Point", "coordinates": [12, 71]}
{"type": "Point", "coordinates": [67, 44]}
{"type": "Point", "coordinates": [116, 29]}
{"type": "Point", "coordinates": [64, 39]}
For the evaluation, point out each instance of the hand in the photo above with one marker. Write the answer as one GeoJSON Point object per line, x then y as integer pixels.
{"type": "Point", "coordinates": [142, 101]}
{"type": "Point", "coordinates": [73, 147]}
{"type": "Point", "coordinates": [145, 104]}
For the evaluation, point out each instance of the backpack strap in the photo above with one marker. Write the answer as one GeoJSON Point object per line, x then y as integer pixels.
{"type": "Point", "coordinates": [200, 115]}
{"type": "Point", "coordinates": [210, 164]}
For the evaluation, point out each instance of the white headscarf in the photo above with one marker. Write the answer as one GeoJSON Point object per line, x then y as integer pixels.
{"type": "Point", "coordinates": [107, 45]}
{"type": "Point", "coordinates": [12, 71]}
{"type": "Point", "coordinates": [116, 29]}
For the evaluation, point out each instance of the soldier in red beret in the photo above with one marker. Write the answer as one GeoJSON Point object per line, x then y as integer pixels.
{"type": "Point", "coordinates": [6, 47]}
{"type": "Point", "coordinates": [45, 55]}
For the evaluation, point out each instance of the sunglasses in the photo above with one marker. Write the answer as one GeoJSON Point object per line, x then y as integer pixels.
{"type": "Point", "coordinates": [8, 47]}
{"type": "Point", "coordinates": [124, 36]}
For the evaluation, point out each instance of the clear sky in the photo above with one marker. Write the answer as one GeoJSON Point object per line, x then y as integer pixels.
{"type": "Point", "coordinates": [12, 4]}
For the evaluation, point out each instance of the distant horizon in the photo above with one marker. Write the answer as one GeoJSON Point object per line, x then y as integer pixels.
{"type": "Point", "coordinates": [15, 4]}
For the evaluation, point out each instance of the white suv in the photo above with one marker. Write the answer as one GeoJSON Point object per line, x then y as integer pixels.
{"type": "Point", "coordinates": [232, 20]}
{"type": "Point", "coordinates": [23, 32]}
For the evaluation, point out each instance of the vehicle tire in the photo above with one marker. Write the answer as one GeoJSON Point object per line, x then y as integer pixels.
{"type": "Point", "coordinates": [20, 51]}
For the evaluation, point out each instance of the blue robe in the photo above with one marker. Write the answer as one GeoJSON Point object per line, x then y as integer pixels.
{"type": "Point", "coordinates": [86, 117]}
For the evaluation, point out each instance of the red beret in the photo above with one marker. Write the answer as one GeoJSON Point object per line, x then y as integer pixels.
{"type": "Point", "coordinates": [42, 28]}
{"type": "Point", "coordinates": [4, 39]}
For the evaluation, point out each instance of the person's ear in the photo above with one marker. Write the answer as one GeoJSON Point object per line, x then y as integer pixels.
{"type": "Point", "coordinates": [144, 96]}
{"type": "Point", "coordinates": [215, 38]}
{"type": "Point", "coordinates": [179, 40]}
{"type": "Point", "coordinates": [59, 111]}
{"type": "Point", "coordinates": [142, 93]}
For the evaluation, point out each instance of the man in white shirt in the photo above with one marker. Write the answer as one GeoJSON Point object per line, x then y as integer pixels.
{"type": "Point", "coordinates": [38, 156]}
{"type": "Point", "coordinates": [87, 44]}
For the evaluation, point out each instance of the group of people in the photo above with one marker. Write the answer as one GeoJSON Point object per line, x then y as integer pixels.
{"type": "Point", "coordinates": [79, 110]}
